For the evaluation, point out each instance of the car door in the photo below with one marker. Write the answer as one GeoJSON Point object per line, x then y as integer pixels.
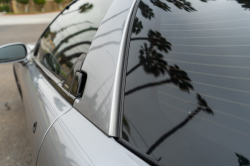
{"type": "Point", "coordinates": [45, 81]}
{"type": "Point", "coordinates": [43, 104]}
{"type": "Point", "coordinates": [76, 138]}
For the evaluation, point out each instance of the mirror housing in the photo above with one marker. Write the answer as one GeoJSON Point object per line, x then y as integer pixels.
{"type": "Point", "coordinates": [15, 52]}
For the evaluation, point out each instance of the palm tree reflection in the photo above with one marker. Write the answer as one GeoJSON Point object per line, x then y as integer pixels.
{"type": "Point", "coordinates": [202, 106]}
{"type": "Point", "coordinates": [146, 11]}
{"type": "Point", "coordinates": [181, 4]}
{"type": "Point", "coordinates": [85, 7]}
{"type": "Point", "coordinates": [137, 27]}
{"type": "Point", "coordinates": [244, 3]}
{"type": "Point", "coordinates": [82, 9]}
{"type": "Point", "coordinates": [152, 60]}
{"type": "Point", "coordinates": [177, 77]}
{"type": "Point", "coordinates": [243, 161]}
{"type": "Point", "coordinates": [67, 49]}
{"type": "Point", "coordinates": [66, 39]}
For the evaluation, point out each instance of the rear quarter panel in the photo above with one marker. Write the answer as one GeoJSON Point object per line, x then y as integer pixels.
{"type": "Point", "coordinates": [42, 103]}
{"type": "Point", "coordinates": [73, 140]}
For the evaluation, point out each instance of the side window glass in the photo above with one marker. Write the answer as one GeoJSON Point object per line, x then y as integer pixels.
{"type": "Point", "coordinates": [187, 83]}
{"type": "Point", "coordinates": [70, 35]}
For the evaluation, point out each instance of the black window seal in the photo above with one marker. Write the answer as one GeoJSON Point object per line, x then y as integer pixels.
{"type": "Point", "coordinates": [119, 139]}
{"type": "Point", "coordinates": [57, 85]}
{"type": "Point", "coordinates": [138, 153]}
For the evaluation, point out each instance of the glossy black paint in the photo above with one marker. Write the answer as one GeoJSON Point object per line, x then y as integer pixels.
{"type": "Point", "coordinates": [78, 84]}
{"type": "Point", "coordinates": [77, 67]}
{"type": "Point", "coordinates": [187, 85]}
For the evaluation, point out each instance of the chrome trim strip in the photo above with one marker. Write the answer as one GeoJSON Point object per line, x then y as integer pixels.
{"type": "Point", "coordinates": [68, 93]}
{"type": "Point", "coordinates": [115, 107]}
{"type": "Point", "coordinates": [47, 132]}
{"type": "Point", "coordinates": [54, 78]}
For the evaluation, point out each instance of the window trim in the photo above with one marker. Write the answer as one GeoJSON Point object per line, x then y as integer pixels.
{"type": "Point", "coordinates": [50, 76]}
{"type": "Point", "coordinates": [55, 82]}
{"type": "Point", "coordinates": [119, 139]}
{"type": "Point", "coordinates": [47, 72]}
{"type": "Point", "coordinates": [138, 153]}
{"type": "Point", "coordinates": [35, 50]}
{"type": "Point", "coordinates": [124, 70]}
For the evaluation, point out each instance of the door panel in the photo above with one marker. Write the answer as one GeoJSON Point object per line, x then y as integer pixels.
{"type": "Point", "coordinates": [43, 104]}
{"type": "Point", "coordinates": [73, 140]}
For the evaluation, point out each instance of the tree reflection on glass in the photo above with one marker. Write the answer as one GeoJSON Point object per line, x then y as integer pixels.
{"type": "Point", "coordinates": [61, 43]}
{"type": "Point", "coordinates": [137, 27]}
{"type": "Point", "coordinates": [66, 39]}
{"type": "Point", "coordinates": [181, 4]}
{"type": "Point", "coordinates": [146, 11]}
{"type": "Point", "coordinates": [177, 77]}
{"type": "Point", "coordinates": [202, 106]}
{"type": "Point", "coordinates": [244, 3]}
{"type": "Point", "coordinates": [243, 161]}
{"type": "Point", "coordinates": [180, 78]}
{"type": "Point", "coordinates": [85, 7]}
{"type": "Point", "coordinates": [151, 59]}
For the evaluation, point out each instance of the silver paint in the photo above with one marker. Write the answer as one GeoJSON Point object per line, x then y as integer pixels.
{"type": "Point", "coordinates": [31, 47]}
{"type": "Point", "coordinates": [47, 133]}
{"type": "Point", "coordinates": [43, 104]}
{"type": "Point", "coordinates": [52, 76]}
{"type": "Point", "coordinates": [103, 64]}
{"type": "Point", "coordinates": [69, 94]}
{"type": "Point", "coordinates": [114, 119]}
{"type": "Point", "coordinates": [73, 140]}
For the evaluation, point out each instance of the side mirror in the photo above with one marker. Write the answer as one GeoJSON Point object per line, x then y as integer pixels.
{"type": "Point", "coordinates": [13, 53]}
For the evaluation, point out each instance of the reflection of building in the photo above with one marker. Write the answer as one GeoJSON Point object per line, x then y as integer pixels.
{"type": "Point", "coordinates": [32, 7]}
{"type": "Point", "coordinates": [47, 45]}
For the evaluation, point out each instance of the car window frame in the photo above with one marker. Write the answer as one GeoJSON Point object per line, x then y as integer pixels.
{"type": "Point", "coordinates": [52, 78]}
{"type": "Point", "coordinates": [119, 139]}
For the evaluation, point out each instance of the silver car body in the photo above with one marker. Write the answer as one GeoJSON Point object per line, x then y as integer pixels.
{"type": "Point", "coordinates": [82, 133]}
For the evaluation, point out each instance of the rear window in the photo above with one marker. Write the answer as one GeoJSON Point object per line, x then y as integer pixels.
{"type": "Point", "coordinates": [187, 94]}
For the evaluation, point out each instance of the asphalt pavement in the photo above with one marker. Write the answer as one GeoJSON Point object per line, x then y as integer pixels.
{"type": "Point", "coordinates": [15, 149]}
